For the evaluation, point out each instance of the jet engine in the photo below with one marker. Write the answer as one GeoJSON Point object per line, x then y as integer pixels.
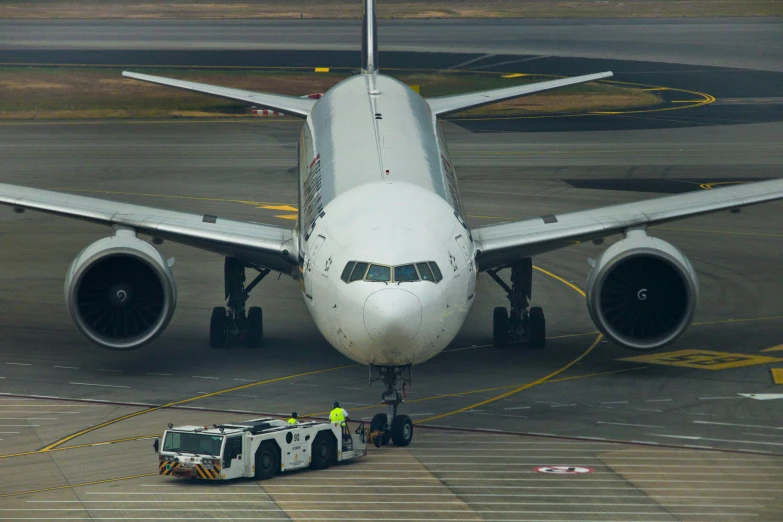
{"type": "Point", "coordinates": [642, 292]}
{"type": "Point", "coordinates": [120, 292]}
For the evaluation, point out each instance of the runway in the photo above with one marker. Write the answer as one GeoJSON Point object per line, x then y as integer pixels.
{"type": "Point", "coordinates": [743, 43]}
{"type": "Point", "coordinates": [671, 435]}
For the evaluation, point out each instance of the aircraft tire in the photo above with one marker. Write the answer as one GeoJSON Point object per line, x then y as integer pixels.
{"type": "Point", "coordinates": [500, 327]}
{"type": "Point", "coordinates": [267, 461]}
{"type": "Point", "coordinates": [537, 328]}
{"type": "Point", "coordinates": [217, 328]}
{"type": "Point", "coordinates": [402, 430]}
{"type": "Point", "coordinates": [255, 327]}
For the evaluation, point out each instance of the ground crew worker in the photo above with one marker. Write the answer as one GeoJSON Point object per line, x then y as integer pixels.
{"type": "Point", "coordinates": [293, 419]}
{"type": "Point", "coordinates": [338, 415]}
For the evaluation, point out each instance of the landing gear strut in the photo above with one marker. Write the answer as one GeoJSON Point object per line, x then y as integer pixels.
{"type": "Point", "coordinates": [232, 321]}
{"type": "Point", "coordinates": [390, 426]}
{"type": "Point", "coordinates": [523, 324]}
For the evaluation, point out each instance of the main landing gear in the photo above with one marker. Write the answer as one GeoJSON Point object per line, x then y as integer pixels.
{"type": "Point", "coordinates": [523, 324]}
{"type": "Point", "coordinates": [231, 322]}
{"type": "Point", "coordinates": [390, 426]}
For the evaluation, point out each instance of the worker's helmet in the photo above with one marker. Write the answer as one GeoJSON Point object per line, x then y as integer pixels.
{"type": "Point", "coordinates": [293, 415]}
{"type": "Point", "coordinates": [336, 404]}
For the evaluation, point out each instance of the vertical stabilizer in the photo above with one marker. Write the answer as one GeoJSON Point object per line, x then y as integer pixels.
{"type": "Point", "coordinates": [369, 39]}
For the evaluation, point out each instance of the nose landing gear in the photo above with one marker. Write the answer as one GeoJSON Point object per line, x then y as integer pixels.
{"type": "Point", "coordinates": [522, 323]}
{"type": "Point", "coordinates": [231, 322]}
{"type": "Point", "coordinates": [390, 426]}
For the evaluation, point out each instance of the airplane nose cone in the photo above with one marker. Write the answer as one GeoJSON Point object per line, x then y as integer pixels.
{"type": "Point", "coordinates": [392, 316]}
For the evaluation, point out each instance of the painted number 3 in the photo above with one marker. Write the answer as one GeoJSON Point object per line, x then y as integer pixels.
{"type": "Point", "coordinates": [642, 294]}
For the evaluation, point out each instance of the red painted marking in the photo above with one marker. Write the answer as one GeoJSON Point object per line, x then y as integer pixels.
{"type": "Point", "coordinates": [563, 470]}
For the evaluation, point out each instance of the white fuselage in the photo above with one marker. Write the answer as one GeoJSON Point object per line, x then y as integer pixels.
{"type": "Point", "coordinates": [377, 186]}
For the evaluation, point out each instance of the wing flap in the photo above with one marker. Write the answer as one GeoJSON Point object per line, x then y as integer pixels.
{"type": "Point", "coordinates": [443, 105]}
{"type": "Point", "coordinates": [504, 242]}
{"type": "Point", "coordinates": [266, 245]}
{"type": "Point", "coordinates": [287, 104]}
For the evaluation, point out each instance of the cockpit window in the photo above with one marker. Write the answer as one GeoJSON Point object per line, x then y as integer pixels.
{"type": "Point", "coordinates": [347, 270]}
{"type": "Point", "coordinates": [425, 272]}
{"type": "Point", "coordinates": [378, 273]}
{"type": "Point", "coordinates": [358, 272]}
{"type": "Point", "coordinates": [436, 271]}
{"type": "Point", "coordinates": [422, 271]}
{"type": "Point", "coordinates": [405, 273]}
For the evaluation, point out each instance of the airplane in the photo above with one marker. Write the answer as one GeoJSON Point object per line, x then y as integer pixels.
{"type": "Point", "coordinates": [386, 262]}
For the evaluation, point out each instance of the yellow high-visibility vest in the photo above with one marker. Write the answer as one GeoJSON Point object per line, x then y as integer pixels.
{"type": "Point", "coordinates": [293, 421]}
{"type": "Point", "coordinates": [336, 415]}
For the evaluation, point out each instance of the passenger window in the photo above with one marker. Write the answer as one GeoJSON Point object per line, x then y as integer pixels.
{"type": "Point", "coordinates": [347, 270]}
{"type": "Point", "coordinates": [378, 273]}
{"type": "Point", "coordinates": [405, 273]}
{"type": "Point", "coordinates": [425, 272]}
{"type": "Point", "coordinates": [358, 272]}
{"type": "Point", "coordinates": [436, 271]}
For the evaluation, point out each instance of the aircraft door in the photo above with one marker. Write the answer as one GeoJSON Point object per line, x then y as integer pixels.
{"type": "Point", "coordinates": [463, 246]}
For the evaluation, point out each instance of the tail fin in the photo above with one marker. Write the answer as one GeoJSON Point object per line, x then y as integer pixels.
{"type": "Point", "coordinates": [369, 39]}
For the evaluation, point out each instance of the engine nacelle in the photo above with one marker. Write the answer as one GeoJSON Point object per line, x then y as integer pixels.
{"type": "Point", "coordinates": [120, 292]}
{"type": "Point", "coordinates": [642, 292]}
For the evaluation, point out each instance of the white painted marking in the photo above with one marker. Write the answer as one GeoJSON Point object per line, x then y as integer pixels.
{"type": "Point", "coordinates": [739, 425]}
{"type": "Point", "coordinates": [764, 435]}
{"type": "Point", "coordinates": [645, 442]}
{"type": "Point", "coordinates": [245, 396]}
{"type": "Point", "coordinates": [716, 398]}
{"type": "Point", "coordinates": [112, 371]}
{"type": "Point", "coordinates": [642, 409]}
{"type": "Point", "coordinates": [410, 414]}
{"type": "Point", "coordinates": [615, 402]}
{"type": "Point", "coordinates": [19, 425]}
{"type": "Point", "coordinates": [519, 408]}
{"type": "Point", "coordinates": [446, 502]}
{"type": "Point", "coordinates": [763, 396]}
{"type": "Point", "coordinates": [303, 384]}
{"type": "Point", "coordinates": [100, 385]}
{"type": "Point", "coordinates": [161, 374]}
{"type": "Point", "coordinates": [206, 377]}
{"type": "Point", "coordinates": [67, 367]}
{"type": "Point", "coordinates": [349, 388]}
{"type": "Point", "coordinates": [703, 414]}
{"type": "Point", "coordinates": [9, 433]}
{"type": "Point", "coordinates": [631, 425]}
{"type": "Point", "coordinates": [563, 405]}
{"type": "Point", "coordinates": [18, 364]}
{"type": "Point", "coordinates": [29, 418]}
{"type": "Point", "coordinates": [427, 486]}
{"type": "Point", "coordinates": [529, 433]}
{"type": "Point", "coordinates": [689, 437]}
{"type": "Point", "coordinates": [637, 495]}
{"type": "Point", "coordinates": [245, 380]}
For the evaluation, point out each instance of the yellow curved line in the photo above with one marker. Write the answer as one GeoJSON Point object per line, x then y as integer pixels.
{"type": "Point", "coordinates": [538, 382]}
{"type": "Point", "coordinates": [521, 388]}
{"type": "Point", "coordinates": [53, 445]}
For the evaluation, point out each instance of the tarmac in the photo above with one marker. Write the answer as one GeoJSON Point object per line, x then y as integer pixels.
{"type": "Point", "coordinates": [692, 432]}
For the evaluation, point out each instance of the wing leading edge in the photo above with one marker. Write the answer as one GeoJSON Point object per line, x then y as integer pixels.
{"type": "Point", "coordinates": [286, 104]}
{"type": "Point", "coordinates": [266, 245]}
{"type": "Point", "coordinates": [443, 105]}
{"type": "Point", "coordinates": [505, 242]}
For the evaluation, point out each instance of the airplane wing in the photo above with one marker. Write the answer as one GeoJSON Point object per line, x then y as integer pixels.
{"type": "Point", "coordinates": [292, 105]}
{"type": "Point", "coordinates": [503, 243]}
{"type": "Point", "coordinates": [443, 105]}
{"type": "Point", "coordinates": [266, 245]}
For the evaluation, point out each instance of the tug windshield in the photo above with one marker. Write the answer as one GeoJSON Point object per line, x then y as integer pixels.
{"type": "Point", "coordinates": [197, 443]}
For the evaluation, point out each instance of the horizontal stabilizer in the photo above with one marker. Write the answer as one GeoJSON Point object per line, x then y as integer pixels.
{"type": "Point", "coordinates": [292, 105]}
{"type": "Point", "coordinates": [444, 105]}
